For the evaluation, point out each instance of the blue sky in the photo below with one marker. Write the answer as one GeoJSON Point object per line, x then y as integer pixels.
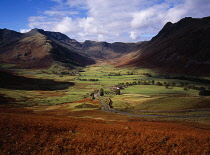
{"type": "Point", "coordinates": [15, 13]}
{"type": "Point", "coordinates": [99, 20]}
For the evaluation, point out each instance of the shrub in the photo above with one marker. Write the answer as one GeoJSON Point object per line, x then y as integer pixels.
{"type": "Point", "coordinates": [204, 93]}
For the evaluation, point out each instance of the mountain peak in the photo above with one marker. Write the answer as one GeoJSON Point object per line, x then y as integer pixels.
{"type": "Point", "coordinates": [181, 47]}
{"type": "Point", "coordinates": [35, 31]}
{"type": "Point", "coordinates": [181, 26]}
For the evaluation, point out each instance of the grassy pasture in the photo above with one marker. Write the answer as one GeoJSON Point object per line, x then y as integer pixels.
{"type": "Point", "coordinates": [156, 90]}
{"type": "Point", "coordinates": [175, 104]}
{"type": "Point", "coordinates": [136, 97]}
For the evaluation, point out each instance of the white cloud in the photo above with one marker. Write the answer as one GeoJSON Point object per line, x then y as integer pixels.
{"type": "Point", "coordinates": [100, 37]}
{"type": "Point", "coordinates": [66, 25]}
{"type": "Point", "coordinates": [40, 22]}
{"type": "Point", "coordinates": [77, 3]}
{"type": "Point", "coordinates": [58, 1]}
{"type": "Point", "coordinates": [148, 17]}
{"type": "Point", "coordinates": [134, 35]}
{"type": "Point", "coordinates": [24, 30]}
{"type": "Point", "coordinates": [152, 19]}
{"type": "Point", "coordinates": [60, 13]}
{"type": "Point", "coordinates": [91, 26]}
{"type": "Point", "coordinates": [114, 20]}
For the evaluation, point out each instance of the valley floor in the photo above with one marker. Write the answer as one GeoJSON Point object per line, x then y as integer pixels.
{"type": "Point", "coordinates": [47, 113]}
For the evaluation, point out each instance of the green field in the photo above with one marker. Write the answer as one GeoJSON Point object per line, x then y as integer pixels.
{"type": "Point", "coordinates": [141, 91]}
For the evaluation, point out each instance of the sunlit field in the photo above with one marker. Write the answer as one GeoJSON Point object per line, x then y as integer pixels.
{"type": "Point", "coordinates": [61, 117]}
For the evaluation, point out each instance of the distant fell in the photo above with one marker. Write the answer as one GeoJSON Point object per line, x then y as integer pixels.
{"type": "Point", "coordinates": [180, 48]}
{"type": "Point", "coordinates": [38, 49]}
{"type": "Point", "coordinates": [41, 49]}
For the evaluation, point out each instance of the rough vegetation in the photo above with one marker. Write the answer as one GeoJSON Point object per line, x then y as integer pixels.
{"type": "Point", "coordinates": [23, 132]}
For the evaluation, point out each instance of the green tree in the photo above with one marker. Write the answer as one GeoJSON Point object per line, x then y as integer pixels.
{"type": "Point", "coordinates": [167, 85]}
{"type": "Point", "coordinates": [159, 84]}
{"type": "Point", "coordinates": [117, 91]}
{"type": "Point", "coordinates": [101, 92]}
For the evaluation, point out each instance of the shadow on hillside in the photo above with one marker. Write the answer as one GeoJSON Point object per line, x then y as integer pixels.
{"type": "Point", "coordinates": [11, 81]}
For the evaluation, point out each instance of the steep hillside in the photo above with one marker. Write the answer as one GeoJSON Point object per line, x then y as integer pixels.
{"type": "Point", "coordinates": [40, 49]}
{"type": "Point", "coordinates": [104, 50]}
{"type": "Point", "coordinates": [60, 39]}
{"type": "Point", "coordinates": [36, 50]}
{"type": "Point", "coordinates": [8, 37]}
{"type": "Point", "coordinates": [182, 47]}
{"type": "Point", "coordinates": [93, 49]}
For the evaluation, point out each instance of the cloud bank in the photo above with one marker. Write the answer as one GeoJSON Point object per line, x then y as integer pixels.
{"type": "Point", "coordinates": [114, 20]}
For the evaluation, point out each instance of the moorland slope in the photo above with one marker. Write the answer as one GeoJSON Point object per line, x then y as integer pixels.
{"type": "Point", "coordinates": [182, 47]}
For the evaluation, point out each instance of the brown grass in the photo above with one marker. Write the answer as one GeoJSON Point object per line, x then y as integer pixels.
{"type": "Point", "coordinates": [88, 100]}
{"type": "Point", "coordinates": [25, 132]}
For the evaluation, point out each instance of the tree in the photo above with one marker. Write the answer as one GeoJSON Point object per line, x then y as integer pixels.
{"type": "Point", "coordinates": [117, 91]}
{"type": "Point", "coordinates": [134, 83]}
{"type": "Point", "coordinates": [101, 92]}
{"type": "Point", "coordinates": [159, 84]}
{"type": "Point", "coordinates": [185, 88]}
{"type": "Point", "coordinates": [204, 93]}
{"type": "Point", "coordinates": [167, 85]}
{"type": "Point", "coordinates": [127, 84]}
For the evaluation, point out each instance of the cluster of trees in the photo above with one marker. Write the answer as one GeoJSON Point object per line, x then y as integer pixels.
{"type": "Point", "coordinates": [131, 73]}
{"type": "Point", "coordinates": [147, 74]}
{"type": "Point", "coordinates": [184, 85]}
{"type": "Point", "coordinates": [204, 93]}
{"type": "Point", "coordinates": [137, 82]}
{"type": "Point", "coordinates": [120, 74]}
{"type": "Point", "coordinates": [62, 73]}
{"type": "Point", "coordinates": [88, 79]}
{"type": "Point", "coordinates": [70, 73]}
{"type": "Point", "coordinates": [188, 78]}
{"type": "Point", "coordinates": [114, 74]}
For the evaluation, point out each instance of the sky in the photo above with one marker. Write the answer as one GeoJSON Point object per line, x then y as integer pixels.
{"type": "Point", "coordinates": [99, 20]}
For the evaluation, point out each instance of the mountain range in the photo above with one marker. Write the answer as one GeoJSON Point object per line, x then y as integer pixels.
{"type": "Point", "coordinates": [182, 48]}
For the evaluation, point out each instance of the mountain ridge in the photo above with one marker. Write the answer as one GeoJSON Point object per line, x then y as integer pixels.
{"type": "Point", "coordinates": [181, 48]}
{"type": "Point", "coordinates": [37, 50]}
